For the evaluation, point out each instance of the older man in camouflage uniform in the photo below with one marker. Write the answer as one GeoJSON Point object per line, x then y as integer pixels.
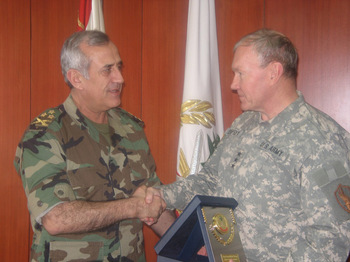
{"type": "Point", "coordinates": [82, 162]}
{"type": "Point", "coordinates": [285, 162]}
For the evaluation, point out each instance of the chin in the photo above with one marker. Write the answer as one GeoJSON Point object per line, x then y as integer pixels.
{"type": "Point", "coordinates": [115, 103]}
{"type": "Point", "coordinates": [243, 107]}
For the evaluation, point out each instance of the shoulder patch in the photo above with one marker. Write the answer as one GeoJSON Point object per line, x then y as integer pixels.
{"type": "Point", "coordinates": [43, 120]}
{"type": "Point", "coordinates": [334, 182]}
{"type": "Point", "coordinates": [342, 195]}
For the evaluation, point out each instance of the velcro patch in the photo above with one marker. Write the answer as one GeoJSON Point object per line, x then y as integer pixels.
{"type": "Point", "coordinates": [335, 184]}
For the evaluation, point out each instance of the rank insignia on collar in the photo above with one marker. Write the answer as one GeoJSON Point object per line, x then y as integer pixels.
{"type": "Point", "coordinates": [342, 194]}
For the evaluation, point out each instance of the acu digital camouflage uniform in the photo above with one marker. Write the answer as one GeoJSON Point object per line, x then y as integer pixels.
{"type": "Point", "coordinates": [62, 157]}
{"type": "Point", "coordinates": [288, 175]}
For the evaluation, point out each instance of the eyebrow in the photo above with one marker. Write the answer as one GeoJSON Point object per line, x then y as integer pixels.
{"type": "Point", "coordinates": [119, 64]}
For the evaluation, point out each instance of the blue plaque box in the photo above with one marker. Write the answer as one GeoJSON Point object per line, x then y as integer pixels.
{"type": "Point", "coordinates": [206, 221]}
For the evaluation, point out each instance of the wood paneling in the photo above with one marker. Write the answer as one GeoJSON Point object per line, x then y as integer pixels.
{"type": "Point", "coordinates": [234, 19]}
{"type": "Point", "coordinates": [164, 42]}
{"type": "Point", "coordinates": [14, 115]}
{"type": "Point", "coordinates": [51, 23]}
{"type": "Point", "coordinates": [151, 38]}
{"type": "Point", "coordinates": [123, 23]}
{"type": "Point", "coordinates": [320, 31]}
{"type": "Point", "coordinates": [163, 60]}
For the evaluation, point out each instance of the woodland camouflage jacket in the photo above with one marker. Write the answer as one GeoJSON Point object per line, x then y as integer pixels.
{"type": "Point", "coordinates": [63, 157]}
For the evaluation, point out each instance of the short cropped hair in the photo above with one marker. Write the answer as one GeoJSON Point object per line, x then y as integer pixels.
{"type": "Point", "coordinates": [72, 57]}
{"type": "Point", "coordinates": [273, 46]}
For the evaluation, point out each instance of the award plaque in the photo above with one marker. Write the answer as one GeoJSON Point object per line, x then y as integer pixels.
{"type": "Point", "coordinates": [206, 221]}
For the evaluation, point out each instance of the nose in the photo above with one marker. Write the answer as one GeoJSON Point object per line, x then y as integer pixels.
{"type": "Point", "coordinates": [117, 76]}
{"type": "Point", "coordinates": [234, 84]}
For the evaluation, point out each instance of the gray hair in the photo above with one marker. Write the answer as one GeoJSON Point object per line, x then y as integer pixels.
{"type": "Point", "coordinates": [72, 57]}
{"type": "Point", "coordinates": [273, 46]}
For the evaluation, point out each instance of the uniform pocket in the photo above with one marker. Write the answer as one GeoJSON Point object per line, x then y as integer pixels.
{"type": "Point", "coordinates": [76, 251]}
{"type": "Point", "coordinates": [90, 183]}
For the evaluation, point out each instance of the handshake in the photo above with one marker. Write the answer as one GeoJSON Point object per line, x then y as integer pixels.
{"type": "Point", "coordinates": [149, 204]}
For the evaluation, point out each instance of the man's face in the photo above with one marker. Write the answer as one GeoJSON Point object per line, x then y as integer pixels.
{"type": "Point", "coordinates": [249, 79]}
{"type": "Point", "coordinates": [102, 90]}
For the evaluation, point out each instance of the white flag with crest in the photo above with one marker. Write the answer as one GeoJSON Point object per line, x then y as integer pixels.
{"type": "Point", "coordinates": [201, 110]}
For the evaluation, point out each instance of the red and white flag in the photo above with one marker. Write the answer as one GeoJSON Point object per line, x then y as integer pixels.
{"type": "Point", "coordinates": [201, 110]}
{"type": "Point", "coordinates": [91, 15]}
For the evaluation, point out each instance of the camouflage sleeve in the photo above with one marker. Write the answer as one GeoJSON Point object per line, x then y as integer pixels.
{"type": "Point", "coordinates": [40, 161]}
{"type": "Point", "coordinates": [180, 193]}
{"type": "Point", "coordinates": [153, 179]}
{"type": "Point", "coordinates": [327, 226]}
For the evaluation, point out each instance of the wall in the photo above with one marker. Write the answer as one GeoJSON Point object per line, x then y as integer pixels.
{"type": "Point", "coordinates": [319, 30]}
{"type": "Point", "coordinates": [151, 37]}
{"type": "Point", "coordinates": [14, 116]}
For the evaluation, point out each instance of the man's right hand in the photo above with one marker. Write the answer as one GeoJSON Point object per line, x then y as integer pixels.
{"type": "Point", "coordinates": [148, 211]}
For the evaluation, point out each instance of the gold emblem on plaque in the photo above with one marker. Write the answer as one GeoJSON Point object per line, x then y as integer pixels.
{"type": "Point", "coordinates": [222, 230]}
{"type": "Point", "coordinates": [220, 224]}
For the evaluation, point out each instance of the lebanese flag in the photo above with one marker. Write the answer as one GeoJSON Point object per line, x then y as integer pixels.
{"type": "Point", "coordinates": [90, 15]}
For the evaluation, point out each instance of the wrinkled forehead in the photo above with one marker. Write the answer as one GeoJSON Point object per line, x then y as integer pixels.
{"type": "Point", "coordinates": [90, 49]}
{"type": "Point", "coordinates": [245, 54]}
{"type": "Point", "coordinates": [105, 53]}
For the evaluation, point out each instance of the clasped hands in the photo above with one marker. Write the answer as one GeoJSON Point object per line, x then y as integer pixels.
{"type": "Point", "coordinates": [150, 205]}
{"type": "Point", "coordinates": [152, 198]}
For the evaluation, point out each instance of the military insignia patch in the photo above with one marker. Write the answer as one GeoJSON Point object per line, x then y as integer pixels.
{"type": "Point", "coordinates": [43, 120]}
{"type": "Point", "coordinates": [334, 181]}
{"type": "Point", "coordinates": [342, 195]}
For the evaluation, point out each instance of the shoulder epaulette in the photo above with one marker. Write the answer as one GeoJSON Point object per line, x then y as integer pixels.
{"type": "Point", "coordinates": [44, 119]}
{"type": "Point", "coordinates": [129, 115]}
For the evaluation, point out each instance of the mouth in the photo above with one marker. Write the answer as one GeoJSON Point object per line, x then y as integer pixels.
{"type": "Point", "coordinates": [240, 95]}
{"type": "Point", "coordinates": [115, 91]}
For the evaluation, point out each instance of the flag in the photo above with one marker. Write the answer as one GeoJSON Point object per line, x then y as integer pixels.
{"type": "Point", "coordinates": [91, 15]}
{"type": "Point", "coordinates": [201, 109]}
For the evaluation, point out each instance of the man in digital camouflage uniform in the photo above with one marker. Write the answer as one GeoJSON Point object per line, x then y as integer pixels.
{"type": "Point", "coordinates": [285, 162]}
{"type": "Point", "coordinates": [82, 162]}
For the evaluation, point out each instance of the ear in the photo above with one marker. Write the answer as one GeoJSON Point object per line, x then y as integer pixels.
{"type": "Point", "coordinates": [276, 71]}
{"type": "Point", "coordinates": [75, 78]}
